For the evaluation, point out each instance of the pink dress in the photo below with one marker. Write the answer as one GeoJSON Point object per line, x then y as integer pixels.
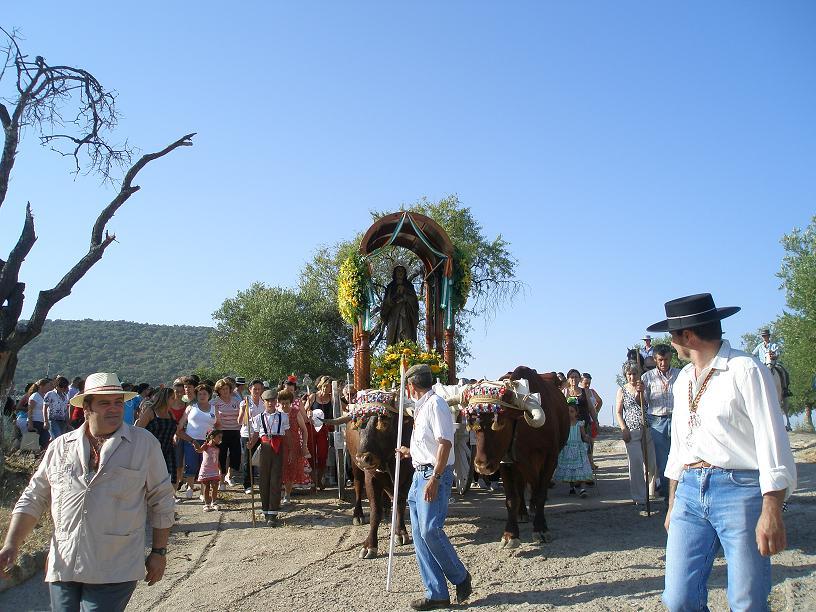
{"type": "Point", "coordinates": [294, 462]}
{"type": "Point", "coordinates": [210, 471]}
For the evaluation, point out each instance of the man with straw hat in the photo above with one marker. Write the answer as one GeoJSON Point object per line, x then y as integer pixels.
{"type": "Point", "coordinates": [432, 456]}
{"type": "Point", "coordinates": [102, 481]}
{"type": "Point", "coordinates": [730, 466]}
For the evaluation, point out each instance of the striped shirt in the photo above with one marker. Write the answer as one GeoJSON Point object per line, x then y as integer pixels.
{"type": "Point", "coordinates": [228, 413]}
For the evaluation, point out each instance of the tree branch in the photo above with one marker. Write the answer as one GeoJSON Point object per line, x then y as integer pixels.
{"type": "Point", "coordinates": [10, 271]}
{"type": "Point", "coordinates": [128, 189]}
{"type": "Point", "coordinates": [47, 298]}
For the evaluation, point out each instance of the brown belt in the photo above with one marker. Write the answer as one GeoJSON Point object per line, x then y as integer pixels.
{"type": "Point", "coordinates": [698, 466]}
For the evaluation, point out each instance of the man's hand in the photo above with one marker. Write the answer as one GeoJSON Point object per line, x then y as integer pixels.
{"type": "Point", "coordinates": [155, 565]}
{"type": "Point", "coordinates": [626, 435]}
{"type": "Point", "coordinates": [431, 490]}
{"type": "Point", "coordinates": [404, 451]}
{"type": "Point", "coordinates": [672, 492]}
{"type": "Point", "coordinates": [8, 556]}
{"type": "Point", "coordinates": [770, 529]}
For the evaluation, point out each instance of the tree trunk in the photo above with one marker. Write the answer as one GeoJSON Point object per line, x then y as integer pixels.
{"type": "Point", "coordinates": [809, 417]}
{"type": "Point", "coordinates": [8, 364]}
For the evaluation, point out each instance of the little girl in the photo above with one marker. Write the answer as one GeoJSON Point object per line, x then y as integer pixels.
{"type": "Point", "coordinates": [210, 473]}
{"type": "Point", "coordinates": [573, 462]}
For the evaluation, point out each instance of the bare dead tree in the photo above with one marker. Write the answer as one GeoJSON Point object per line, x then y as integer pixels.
{"type": "Point", "coordinates": [74, 115]}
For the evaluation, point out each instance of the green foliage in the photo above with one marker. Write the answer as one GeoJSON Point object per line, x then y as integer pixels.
{"type": "Point", "coordinates": [269, 332]}
{"type": "Point", "coordinates": [795, 330]}
{"type": "Point", "coordinates": [137, 352]}
{"type": "Point", "coordinates": [798, 326]}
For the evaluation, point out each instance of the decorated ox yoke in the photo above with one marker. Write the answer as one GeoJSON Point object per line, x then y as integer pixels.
{"type": "Point", "coordinates": [494, 398]}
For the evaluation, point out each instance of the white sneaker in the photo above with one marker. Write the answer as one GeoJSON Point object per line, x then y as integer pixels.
{"type": "Point", "coordinates": [208, 508]}
{"type": "Point", "coordinates": [230, 482]}
{"type": "Point", "coordinates": [248, 491]}
{"type": "Point", "coordinates": [222, 487]}
{"type": "Point", "coordinates": [188, 494]}
{"type": "Point", "coordinates": [201, 497]}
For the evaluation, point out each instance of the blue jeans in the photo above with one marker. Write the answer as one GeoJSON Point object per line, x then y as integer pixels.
{"type": "Point", "coordinates": [192, 459]}
{"type": "Point", "coordinates": [714, 507]}
{"type": "Point", "coordinates": [57, 428]}
{"type": "Point", "coordinates": [661, 437]}
{"type": "Point", "coordinates": [75, 596]}
{"type": "Point", "coordinates": [435, 555]}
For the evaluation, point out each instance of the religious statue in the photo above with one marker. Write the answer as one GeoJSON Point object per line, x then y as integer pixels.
{"type": "Point", "coordinates": [400, 308]}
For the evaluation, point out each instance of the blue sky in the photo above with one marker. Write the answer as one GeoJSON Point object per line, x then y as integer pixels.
{"type": "Point", "coordinates": [631, 152]}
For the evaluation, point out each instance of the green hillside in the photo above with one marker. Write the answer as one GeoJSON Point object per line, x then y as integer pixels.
{"type": "Point", "coordinates": [138, 352]}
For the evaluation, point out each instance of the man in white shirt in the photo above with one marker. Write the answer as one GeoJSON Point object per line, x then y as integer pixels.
{"type": "Point", "coordinates": [763, 350]}
{"type": "Point", "coordinates": [430, 452]}
{"type": "Point", "coordinates": [730, 465]}
{"type": "Point", "coordinates": [251, 407]}
{"type": "Point", "coordinates": [660, 399]}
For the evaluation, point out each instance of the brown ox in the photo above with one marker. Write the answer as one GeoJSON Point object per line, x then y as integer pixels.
{"type": "Point", "coordinates": [372, 449]}
{"type": "Point", "coordinates": [524, 454]}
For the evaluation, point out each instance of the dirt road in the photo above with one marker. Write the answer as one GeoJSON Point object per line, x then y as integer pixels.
{"type": "Point", "coordinates": [603, 555]}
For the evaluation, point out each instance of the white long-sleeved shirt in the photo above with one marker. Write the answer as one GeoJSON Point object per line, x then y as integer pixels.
{"type": "Point", "coordinates": [432, 423]}
{"type": "Point", "coordinates": [741, 425]}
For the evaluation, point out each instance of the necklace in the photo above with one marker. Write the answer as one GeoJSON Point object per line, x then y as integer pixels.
{"type": "Point", "coordinates": [694, 401]}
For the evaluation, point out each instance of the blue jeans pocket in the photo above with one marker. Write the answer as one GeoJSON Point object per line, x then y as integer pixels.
{"type": "Point", "coordinates": [744, 478]}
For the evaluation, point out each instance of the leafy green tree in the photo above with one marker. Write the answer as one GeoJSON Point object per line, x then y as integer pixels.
{"type": "Point", "coordinates": [798, 324]}
{"type": "Point", "coordinates": [268, 332]}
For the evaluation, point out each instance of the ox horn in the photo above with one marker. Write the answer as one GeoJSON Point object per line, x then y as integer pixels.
{"type": "Point", "coordinates": [534, 414]}
{"type": "Point", "coordinates": [341, 421]}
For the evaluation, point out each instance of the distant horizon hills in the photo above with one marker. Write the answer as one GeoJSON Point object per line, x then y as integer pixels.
{"type": "Point", "coordinates": [137, 352]}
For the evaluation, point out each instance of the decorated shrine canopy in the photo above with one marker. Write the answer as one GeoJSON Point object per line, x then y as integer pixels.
{"type": "Point", "coordinates": [431, 244]}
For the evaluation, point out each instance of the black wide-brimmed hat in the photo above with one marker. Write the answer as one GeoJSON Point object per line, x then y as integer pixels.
{"type": "Point", "coordinates": [691, 311]}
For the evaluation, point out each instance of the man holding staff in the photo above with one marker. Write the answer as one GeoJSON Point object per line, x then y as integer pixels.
{"type": "Point", "coordinates": [730, 465]}
{"type": "Point", "coordinates": [430, 452]}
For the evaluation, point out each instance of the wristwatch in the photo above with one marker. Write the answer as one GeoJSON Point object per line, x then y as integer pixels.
{"type": "Point", "coordinates": [437, 476]}
{"type": "Point", "coordinates": [158, 551]}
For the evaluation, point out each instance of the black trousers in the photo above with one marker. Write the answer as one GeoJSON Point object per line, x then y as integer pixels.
{"type": "Point", "coordinates": [248, 461]}
{"type": "Point", "coordinates": [230, 443]}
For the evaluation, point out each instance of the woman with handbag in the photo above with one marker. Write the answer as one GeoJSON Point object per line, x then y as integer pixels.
{"type": "Point", "coordinates": [270, 428]}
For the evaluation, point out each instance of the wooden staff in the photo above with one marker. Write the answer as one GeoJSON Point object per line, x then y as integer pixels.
{"type": "Point", "coordinates": [339, 452]}
{"type": "Point", "coordinates": [398, 461]}
{"type": "Point", "coordinates": [645, 449]}
{"type": "Point", "coordinates": [249, 462]}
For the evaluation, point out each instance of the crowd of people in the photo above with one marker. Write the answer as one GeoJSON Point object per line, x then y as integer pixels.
{"type": "Point", "coordinates": [209, 431]}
